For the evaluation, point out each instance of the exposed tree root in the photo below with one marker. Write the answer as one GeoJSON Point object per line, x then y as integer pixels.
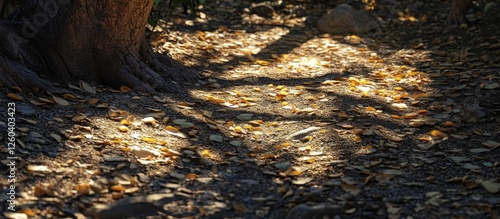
{"type": "Point", "coordinates": [64, 45]}
{"type": "Point", "coordinates": [146, 71]}
{"type": "Point", "coordinates": [167, 67]}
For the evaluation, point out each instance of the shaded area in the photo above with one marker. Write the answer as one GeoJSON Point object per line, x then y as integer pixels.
{"type": "Point", "coordinates": [375, 176]}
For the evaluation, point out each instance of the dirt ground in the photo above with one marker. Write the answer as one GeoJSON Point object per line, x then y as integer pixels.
{"type": "Point", "coordinates": [402, 122]}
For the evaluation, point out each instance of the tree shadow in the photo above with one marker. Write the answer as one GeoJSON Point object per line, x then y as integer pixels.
{"type": "Point", "coordinates": [243, 175]}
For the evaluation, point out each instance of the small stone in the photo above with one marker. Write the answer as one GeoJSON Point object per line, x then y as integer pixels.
{"type": "Point", "coordinates": [262, 10]}
{"type": "Point", "coordinates": [133, 207]}
{"type": "Point", "coordinates": [344, 20]}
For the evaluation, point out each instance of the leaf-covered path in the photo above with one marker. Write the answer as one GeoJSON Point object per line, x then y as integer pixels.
{"type": "Point", "coordinates": [400, 123]}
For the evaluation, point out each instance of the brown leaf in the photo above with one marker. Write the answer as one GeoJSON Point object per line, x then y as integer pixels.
{"type": "Point", "coordinates": [239, 207]}
{"type": "Point", "coordinates": [14, 96]}
{"type": "Point", "coordinates": [83, 189]}
{"type": "Point", "coordinates": [353, 189]}
{"type": "Point", "coordinates": [60, 101]}
{"type": "Point", "coordinates": [125, 89]}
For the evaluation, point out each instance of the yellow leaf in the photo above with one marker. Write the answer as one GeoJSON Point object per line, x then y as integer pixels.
{"type": "Point", "coordinates": [149, 140]}
{"type": "Point", "coordinates": [172, 129]}
{"type": "Point", "coordinates": [200, 35]}
{"type": "Point", "coordinates": [370, 109]}
{"type": "Point", "coordinates": [285, 145]}
{"type": "Point", "coordinates": [83, 189]}
{"type": "Point", "coordinates": [123, 128]}
{"type": "Point", "coordinates": [28, 212]}
{"type": "Point", "coordinates": [125, 122]}
{"type": "Point", "coordinates": [238, 129]}
{"type": "Point", "coordinates": [449, 124]}
{"type": "Point", "coordinates": [437, 133]}
{"type": "Point", "coordinates": [268, 155]}
{"type": "Point", "coordinates": [425, 138]}
{"type": "Point", "coordinates": [261, 62]}
{"type": "Point", "coordinates": [205, 153]}
{"type": "Point", "coordinates": [117, 188]}
{"type": "Point", "coordinates": [191, 176]}
{"type": "Point", "coordinates": [291, 172]}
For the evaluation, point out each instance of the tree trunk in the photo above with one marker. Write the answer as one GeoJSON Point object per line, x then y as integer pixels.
{"type": "Point", "coordinates": [90, 40]}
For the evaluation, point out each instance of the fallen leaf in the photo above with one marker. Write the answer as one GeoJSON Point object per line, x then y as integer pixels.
{"type": "Point", "coordinates": [491, 86]}
{"type": "Point", "coordinates": [437, 133]}
{"type": "Point", "coordinates": [491, 144]}
{"type": "Point", "coordinates": [117, 188]}
{"type": "Point", "coordinates": [125, 89]}
{"type": "Point", "coordinates": [60, 101]}
{"type": "Point", "coordinates": [86, 87]}
{"type": "Point", "coordinates": [56, 137]}
{"type": "Point", "coordinates": [399, 105]}
{"type": "Point", "coordinates": [191, 176]}
{"type": "Point", "coordinates": [239, 207]}
{"type": "Point", "coordinates": [69, 96]}
{"type": "Point", "coordinates": [479, 150]}
{"type": "Point", "coordinates": [245, 116]}
{"type": "Point", "coordinates": [268, 155]}
{"type": "Point", "coordinates": [491, 186]}
{"type": "Point", "coordinates": [235, 143]}
{"type": "Point", "coordinates": [123, 128]}
{"type": "Point", "coordinates": [83, 189]}
{"type": "Point", "coordinates": [302, 181]}
{"type": "Point", "coordinates": [175, 132]}
{"type": "Point", "coordinates": [392, 172]}
{"type": "Point", "coordinates": [14, 96]}
{"type": "Point", "coordinates": [216, 138]}
{"type": "Point", "coordinates": [353, 189]}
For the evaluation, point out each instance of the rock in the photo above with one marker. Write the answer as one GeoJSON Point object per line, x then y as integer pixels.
{"type": "Point", "coordinates": [344, 20]}
{"type": "Point", "coordinates": [133, 207]}
{"type": "Point", "coordinates": [303, 211]}
{"type": "Point", "coordinates": [263, 10]}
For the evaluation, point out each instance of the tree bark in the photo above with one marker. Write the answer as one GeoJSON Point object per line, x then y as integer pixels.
{"type": "Point", "coordinates": [91, 40]}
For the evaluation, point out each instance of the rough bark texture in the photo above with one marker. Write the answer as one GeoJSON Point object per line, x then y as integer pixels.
{"type": "Point", "coordinates": [90, 40]}
{"type": "Point", "coordinates": [458, 9]}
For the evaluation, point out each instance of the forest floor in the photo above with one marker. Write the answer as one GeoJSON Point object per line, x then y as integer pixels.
{"type": "Point", "coordinates": [402, 122]}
